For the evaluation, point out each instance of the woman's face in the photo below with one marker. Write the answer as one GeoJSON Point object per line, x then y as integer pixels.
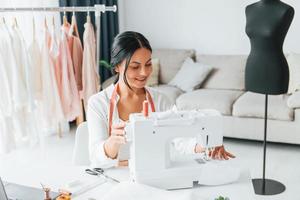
{"type": "Point", "coordinates": [139, 68]}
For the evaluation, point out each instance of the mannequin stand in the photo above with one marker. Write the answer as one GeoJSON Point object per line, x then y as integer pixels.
{"type": "Point", "coordinates": [263, 186]}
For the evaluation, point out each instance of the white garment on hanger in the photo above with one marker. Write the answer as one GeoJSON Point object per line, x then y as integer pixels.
{"type": "Point", "coordinates": [24, 113]}
{"type": "Point", "coordinates": [7, 139]}
{"type": "Point", "coordinates": [34, 54]}
{"type": "Point", "coordinates": [51, 104]}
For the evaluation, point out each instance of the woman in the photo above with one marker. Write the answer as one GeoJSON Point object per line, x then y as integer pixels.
{"type": "Point", "coordinates": [110, 109]}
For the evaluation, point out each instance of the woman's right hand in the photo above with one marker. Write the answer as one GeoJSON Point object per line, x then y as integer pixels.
{"type": "Point", "coordinates": [116, 139]}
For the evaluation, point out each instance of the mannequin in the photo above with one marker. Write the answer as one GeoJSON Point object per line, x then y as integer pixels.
{"type": "Point", "coordinates": [267, 70]}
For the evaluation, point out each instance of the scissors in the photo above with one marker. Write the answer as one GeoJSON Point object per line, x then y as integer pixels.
{"type": "Point", "coordinates": [98, 172]}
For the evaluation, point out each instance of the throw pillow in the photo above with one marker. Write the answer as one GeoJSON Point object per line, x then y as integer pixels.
{"type": "Point", "coordinates": [153, 79]}
{"type": "Point", "coordinates": [294, 68]}
{"type": "Point", "coordinates": [190, 75]}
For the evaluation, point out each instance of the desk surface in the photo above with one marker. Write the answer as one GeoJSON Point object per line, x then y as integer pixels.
{"type": "Point", "coordinates": [57, 177]}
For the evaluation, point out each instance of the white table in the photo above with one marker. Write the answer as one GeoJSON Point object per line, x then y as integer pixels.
{"type": "Point", "coordinates": [57, 176]}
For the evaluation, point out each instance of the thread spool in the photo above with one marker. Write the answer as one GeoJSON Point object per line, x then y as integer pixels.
{"type": "Point", "coordinates": [145, 108]}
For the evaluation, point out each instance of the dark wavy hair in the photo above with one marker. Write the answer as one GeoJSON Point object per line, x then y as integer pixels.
{"type": "Point", "coordinates": [123, 47]}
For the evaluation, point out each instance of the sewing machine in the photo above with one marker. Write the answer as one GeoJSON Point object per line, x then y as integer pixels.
{"type": "Point", "coordinates": [151, 138]}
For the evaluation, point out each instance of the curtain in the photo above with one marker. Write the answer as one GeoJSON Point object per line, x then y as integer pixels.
{"type": "Point", "coordinates": [109, 28]}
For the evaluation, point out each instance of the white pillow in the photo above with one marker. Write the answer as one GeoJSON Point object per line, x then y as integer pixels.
{"type": "Point", "coordinates": [190, 75]}
{"type": "Point", "coordinates": [294, 100]}
{"type": "Point", "coordinates": [153, 79]}
{"type": "Point", "coordinates": [294, 68]}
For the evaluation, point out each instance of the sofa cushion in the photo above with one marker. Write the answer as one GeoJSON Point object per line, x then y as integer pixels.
{"type": "Point", "coordinates": [170, 91]}
{"type": "Point", "coordinates": [294, 67]}
{"type": "Point", "coordinates": [253, 105]}
{"type": "Point", "coordinates": [170, 62]}
{"type": "Point", "coordinates": [190, 75]}
{"type": "Point", "coordinates": [293, 101]}
{"type": "Point", "coordinates": [220, 100]}
{"type": "Point", "coordinates": [228, 73]}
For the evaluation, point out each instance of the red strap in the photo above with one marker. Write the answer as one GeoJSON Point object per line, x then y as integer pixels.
{"type": "Point", "coordinates": [112, 103]}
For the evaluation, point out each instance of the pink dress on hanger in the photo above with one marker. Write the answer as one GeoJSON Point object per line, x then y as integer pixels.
{"type": "Point", "coordinates": [76, 51]}
{"type": "Point", "coordinates": [68, 90]}
{"type": "Point", "coordinates": [90, 76]}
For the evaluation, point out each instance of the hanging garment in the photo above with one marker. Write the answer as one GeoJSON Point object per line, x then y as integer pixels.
{"type": "Point", "coordinates": [8, 64]}
{"type": "Point", "coordinates": [76, 52]}
{"type": "Point", "coordinates": [90, 76]}
{"type": "Point", "coordinates": [34, 54]}
{"type": "Point", "coordinates": [23, 66]}
{"type": "Point", "coordinates": [54, 52]}
{"type": "Point", "coordinates": [6, 137]}
{"type": "Point", "coordinates": [6, 96]}
{"type": "Point", "coordinates": [51, 105]}
{"type": "Point", "coordinates": [68, 90]}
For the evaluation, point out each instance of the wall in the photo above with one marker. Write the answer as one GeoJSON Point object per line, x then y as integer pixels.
{"type": "Point", "coordinates": [209, 26]}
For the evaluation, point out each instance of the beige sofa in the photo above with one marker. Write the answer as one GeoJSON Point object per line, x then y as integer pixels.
{"type": "Point", "coordinates": [224, 90]}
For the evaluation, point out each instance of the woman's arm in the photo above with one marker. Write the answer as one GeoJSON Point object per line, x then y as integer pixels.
{"type": "Point", "coordinates": [98, 133]}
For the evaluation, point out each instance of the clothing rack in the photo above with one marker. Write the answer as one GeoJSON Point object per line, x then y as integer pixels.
{"type": "Point", "coordinates": [97, 8]}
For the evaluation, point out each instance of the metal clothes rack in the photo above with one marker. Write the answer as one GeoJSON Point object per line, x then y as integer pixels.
{"type": "Point", "coordinates": [97, 8]}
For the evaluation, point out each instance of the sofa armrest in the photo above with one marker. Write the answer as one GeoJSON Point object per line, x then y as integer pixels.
{"type": "Point", "coordinates": [294, 100]}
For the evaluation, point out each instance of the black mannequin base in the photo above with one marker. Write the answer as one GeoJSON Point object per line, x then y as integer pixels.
{"type": "Point", "coordinates": [272, 187]}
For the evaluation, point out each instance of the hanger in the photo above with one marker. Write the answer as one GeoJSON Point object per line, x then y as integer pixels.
{"type": "Point", "coordinates": [53, 21]}
{"type": "Point", "coordinates": [15, 22]}
{"type": "Point", "coordinates": [88, 17]}
{"type": "Point", "coordinates": [3, 20]}
{"type": "Point", "coordinates": [73, 18]}
{"type": "Point", "coordinates": [65, 20]}
{"type": "Point", "coordinates": [45, 21]}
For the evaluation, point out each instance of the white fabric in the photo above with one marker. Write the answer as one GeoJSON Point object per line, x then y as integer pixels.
{"type": "Point", "coordinates": [217, 99]}
{"type": "Point", "coordinates": [24, 67]}
{"type": "Point", "coordinates": [35, 61]}
{"type": "Point", "coordinates": [24, 113]}
{"type": "Point", "coordinates": [51, 104]}
{"type": "Point", "coordinates": [7, 68]}
{"type": "Point", "coordinates": [153, 79]}
{"type": "Point", "coordinates": [228, 72]}
{"type": "Point", "coordinates": [252, 105]}
{"type": "Point", "coordinates": [97, 118]}
{"type": "Point", "coordinates": [294, 100]}
{"type": "Point", "coordinates": [7, 138]}
{"type": "Point", "coordinates": [190, 75]}
{"type": "Point", "coordinates": [294, 68]}
{"type": "Point", "coordinates": [136, 191]}
{"type": "Point", "coordinates": [6, 99]}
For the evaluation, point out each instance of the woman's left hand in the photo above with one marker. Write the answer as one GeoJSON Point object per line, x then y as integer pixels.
{"type": "Point", "coordinates": [220, 153]}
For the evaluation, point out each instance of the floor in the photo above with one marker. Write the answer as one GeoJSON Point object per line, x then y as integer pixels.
{"type": "Point", "coordinates": [283, 160]}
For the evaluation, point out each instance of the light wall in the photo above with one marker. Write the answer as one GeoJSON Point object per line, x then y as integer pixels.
{"type": "Point", "coordinates": [209, 26]}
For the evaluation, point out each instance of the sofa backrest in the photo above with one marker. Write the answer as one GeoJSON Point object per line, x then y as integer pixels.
{"type": "Point", "coordinates": [228, 72]}
{"type": "Point", "coordinates": [170, 62]}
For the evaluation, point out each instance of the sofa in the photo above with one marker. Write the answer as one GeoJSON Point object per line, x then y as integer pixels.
{"type": "Point", "coordinates": [224, 90]}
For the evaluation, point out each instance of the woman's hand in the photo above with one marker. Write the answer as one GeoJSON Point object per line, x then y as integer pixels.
{"type": "Point", "coordinates": [220, 153]}
{"type": "Point", "coordinates": [123, 163]}
{"type": "Point", "coordinates": [116, 139]}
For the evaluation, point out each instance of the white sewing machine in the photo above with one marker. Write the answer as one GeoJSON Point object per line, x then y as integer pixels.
{"type": "Point", "coordinates": [151, 138]}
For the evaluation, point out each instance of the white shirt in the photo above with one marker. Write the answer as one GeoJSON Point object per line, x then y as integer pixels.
{"type": "Point", "coordinates": [97, 118]}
